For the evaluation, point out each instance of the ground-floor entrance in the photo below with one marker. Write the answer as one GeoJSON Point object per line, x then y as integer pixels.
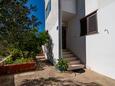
{"type": "Point", "coordinates": [64, 37]}
{"type": "Point", "coordinates": [73, 61]}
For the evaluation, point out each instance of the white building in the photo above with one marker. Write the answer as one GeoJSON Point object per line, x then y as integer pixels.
{"type": "Point", "coordinates": [87, 29]}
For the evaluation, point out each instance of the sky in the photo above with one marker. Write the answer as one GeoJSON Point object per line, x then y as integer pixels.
{"type": "Point", "coordinates": [39, 13]}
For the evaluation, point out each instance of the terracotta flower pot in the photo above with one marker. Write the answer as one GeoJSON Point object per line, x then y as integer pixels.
{"type": "Point", "coordinates": [17, 68]}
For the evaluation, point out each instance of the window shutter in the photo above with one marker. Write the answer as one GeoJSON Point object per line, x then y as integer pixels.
{"type": "Point", "coordinates": [89, 24]}
{"type": "Point", "coordinates": [92, 24]}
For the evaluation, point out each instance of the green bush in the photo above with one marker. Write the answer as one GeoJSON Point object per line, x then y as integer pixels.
{"type": "Point", "coordinates": [43, 38]}
{"type": "Point", "coordinates": [19, 60]}
{"type": "Point", "coordinates": [1, 53]}
{"type": "Point", "coordinates": [20, 32]}
{"type": "Point", "coordinates": [9, 60]}
{"type": "Point", "coordinates": [22, 60]}
{"type": "Point", "coordinates": [27, 48]}
{"type": "Point", "coordinates": [15, 52]}
{"type": "Point", "coordinates": [62, 65]}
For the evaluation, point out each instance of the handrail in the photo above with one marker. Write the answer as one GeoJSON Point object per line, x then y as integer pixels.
{"type": "Point", "coordinates": [2, 62]}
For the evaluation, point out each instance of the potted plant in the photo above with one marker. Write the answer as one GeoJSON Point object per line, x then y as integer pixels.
{"type": "Point", "coordinates": [62, 65]}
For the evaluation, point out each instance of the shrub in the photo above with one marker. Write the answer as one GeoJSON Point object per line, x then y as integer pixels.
{"type": "Point", "coordinates": [14, 52]}
{"type": "Point", "coordinates": [19, 60]}
{"type": "Point", "coordinates": [43, 38]}
{"type": "Point", "coordinates": [9, 60]}
{"type": "Point", "coordinates": [19, 31]}
{"type": "Point", "coordinates": [1, 53]}
{"type": "Point", "coordinates": [62, 65]}
{"type": "Point", "coordinates": [22, 60]}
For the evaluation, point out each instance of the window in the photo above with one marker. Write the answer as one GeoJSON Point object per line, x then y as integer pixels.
{"type": "Point", "coordinates": [89, 24]}
{"type": "Point", "coordinates": [48, 9]}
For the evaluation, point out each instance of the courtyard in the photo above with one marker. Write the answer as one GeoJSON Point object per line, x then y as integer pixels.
{"type": "Point", "coordinates": [49, 76]}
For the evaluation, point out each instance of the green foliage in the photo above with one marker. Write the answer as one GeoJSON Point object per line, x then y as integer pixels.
{"type": "Point", "coordinates": [62, 64]}
{"type": "Point", "coordinates": [29, 43]}
{"type": "Point", "coordinates": [9, 60]}
{"type": "Point", "coordinates": [18, 32]}
{"type": "Point", "coordinates": [43, 38]}
{"type": "Point", "coordinates": [14, 19]}
{"type": "Point", "coordinates": [19, 60]}
{"type": "Point", "coordinates": [22, 60]}
{"type": "Point", "coordinates": [1, 53]}
{"type": "Point", "coordinates": [14, 52]}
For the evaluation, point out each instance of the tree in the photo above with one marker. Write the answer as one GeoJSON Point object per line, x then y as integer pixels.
{"type": "Point", "coordinates": [18, 27]}
{"type": "Point", "coordinates": [14, 19]}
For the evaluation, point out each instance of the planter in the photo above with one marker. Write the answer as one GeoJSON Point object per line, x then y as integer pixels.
{"type": "Point", "coordinates": [17, 68]}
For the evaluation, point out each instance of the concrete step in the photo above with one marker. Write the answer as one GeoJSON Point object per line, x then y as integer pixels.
{"type": "Point", "coordinates": [74, 62]}
{"type": "Point", "coordinates": [40, 57]}
{"type": "Point", "coordinates": [76, 66]}
{"type": "Point", "coordinates": [65, 50]}
{"type": "Point", "coordinates": [68, 55]}
{"type": "Point", "coordinates": [70, 59]}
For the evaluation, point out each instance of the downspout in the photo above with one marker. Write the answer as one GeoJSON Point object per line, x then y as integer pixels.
{"type": "Point", "coordinates": [60, 28]}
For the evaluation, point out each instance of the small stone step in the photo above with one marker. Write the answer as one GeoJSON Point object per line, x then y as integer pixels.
{"type": "Point", "coordinates": [74, 62]}
{"type": "Point", "coordinates": [65, 50]}
{"type": "Point", "coordinates": [68, 55]}
{"type": "Point", "coordinates": [40, 57]}
{"type": "Point", "coordinates": [70, 59]}
{"type": "Point", "coordinates": [77, 66]}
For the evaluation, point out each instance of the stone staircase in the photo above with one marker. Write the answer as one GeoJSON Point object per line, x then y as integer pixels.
{"type": "Point", "coordinates": [41, 57]}
{"type": "Point", "coordinates": [73, 62]}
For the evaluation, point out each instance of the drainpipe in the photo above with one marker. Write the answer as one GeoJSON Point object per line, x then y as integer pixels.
{"type": "Point", "coordinates": [60, 28]}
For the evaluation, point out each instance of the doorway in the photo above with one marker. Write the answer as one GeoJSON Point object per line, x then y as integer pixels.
{"type": "Point", "coordinates": [64, 37]}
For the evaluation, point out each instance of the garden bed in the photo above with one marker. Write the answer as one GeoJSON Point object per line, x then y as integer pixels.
{"type": "Point", "coordinates": [17, 68]}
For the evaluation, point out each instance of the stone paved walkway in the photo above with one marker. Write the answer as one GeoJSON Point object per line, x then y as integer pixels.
{"type": "Point", "coordinates": [51, 77]}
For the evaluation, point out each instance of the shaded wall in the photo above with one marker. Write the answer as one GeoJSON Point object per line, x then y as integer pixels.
{"type": "Point", "coordinates": [69, 6]}
{"type": "Point", "coordinates": [75, 42]}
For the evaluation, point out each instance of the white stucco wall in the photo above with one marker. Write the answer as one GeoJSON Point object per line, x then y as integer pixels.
{"type": "Point", "coordinates": [103, 3]}
{"type": "Point", "coordinates": [90, 6]}
{"type": "Point", "coordinates": [100, 49]}
{"type": "Point", "coordinates": [69, 6]}
{"type": "Point", "coordinates": [51, 27]}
